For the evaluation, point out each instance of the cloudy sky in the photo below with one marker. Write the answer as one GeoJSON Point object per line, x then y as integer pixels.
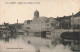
{"type": "Point", "coordinates": [10, 12]}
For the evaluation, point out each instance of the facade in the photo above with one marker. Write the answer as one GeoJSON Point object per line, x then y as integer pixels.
{"type": "Point", "coordinates": [69, 22]}
{"type": "Point", "coordinates": [19, 28]}
{"type": "Point", "coordinates": [43, 24]}
{"type": "Point", "coordinates": [64, 22]}
{"type": "Point", "coordinates": [4, 30]}
{"type": "Point", "coordinates": [27, 25]}
{"type": "Point", "coordinates": [9, 30]}
{"type": "Point", "coordinates": [75, 22]}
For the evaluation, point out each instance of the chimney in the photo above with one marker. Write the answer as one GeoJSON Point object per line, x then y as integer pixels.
{"type": "Point", "coordinates": [72, 14]}
{"type": "Point", "coordinates": [17, 21]}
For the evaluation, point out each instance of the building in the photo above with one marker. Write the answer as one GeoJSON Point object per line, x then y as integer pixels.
{"type": "Point", "coordinates": [64, 22]}
{"type": "Point", "coordinates": [10, 30]}
{"type": "Point", "coordinates": [17, 28]}
{"type": "Point", "coordinates": [40, 23]}
{"type": "Point", "coordinates": [69, 22]}
{"type": "Point", "coordinates": [75, 21]}
{"type": "Point", "coordinates": [4, 30]}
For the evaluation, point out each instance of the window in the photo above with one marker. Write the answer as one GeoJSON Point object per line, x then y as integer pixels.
{"type": "Point", "coordinates": [47, 28]}
{"type": "Point", "coordinates": [28, 27]}
{"type": "Point", "coordinates": [28, 42]}
{"type": "Point", "coordinates": [37, 34]}
{"type": "Point", "coordinates": [47, 24]}
{"type": "Point", "coordinates": [48, 33]}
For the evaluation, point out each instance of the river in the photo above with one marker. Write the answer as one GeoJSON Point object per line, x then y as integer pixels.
{"type": "Point", "coordinates": [19, 44]}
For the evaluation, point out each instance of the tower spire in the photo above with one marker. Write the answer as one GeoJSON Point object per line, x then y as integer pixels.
{"type": "Point", "coordinates": [36, 14]}
{"type": "Point", "coordinates": [17, 21]}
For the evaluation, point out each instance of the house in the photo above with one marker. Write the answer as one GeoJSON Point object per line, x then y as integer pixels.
{"type": "Point", "coordinates": [17, 29]}
{"type": "Point", "coordinates": [69, 22]}
{"type": "Point", "coordinates": [4, 30]}
{"type": "Point", "coordinates": [75, 21]}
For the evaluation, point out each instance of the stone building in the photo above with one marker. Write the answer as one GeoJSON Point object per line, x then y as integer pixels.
{"type": "Point", "coordinates": [40, 23]}
{"type": "Point", "coordinates": [69, 22]}
{"type": "Point", "coordinates": [75, 21]}
{"type": "Point", "coordinates": [64, 22]}
{"type": "Point", "coordinates": [4, 30]}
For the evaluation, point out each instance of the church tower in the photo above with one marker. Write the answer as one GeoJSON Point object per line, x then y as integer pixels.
{"type": "Point", "coordinates": [36, 14]}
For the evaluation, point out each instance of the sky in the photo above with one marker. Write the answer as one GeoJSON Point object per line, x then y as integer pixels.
{"type": "Point", "coordinates": [10, 12]}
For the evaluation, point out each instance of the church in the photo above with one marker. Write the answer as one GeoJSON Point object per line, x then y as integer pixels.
{"type": "Point", "coordinates": [40, 23]}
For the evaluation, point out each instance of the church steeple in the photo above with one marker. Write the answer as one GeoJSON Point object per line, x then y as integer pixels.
{"type": "Point", "coordinates": [36, 14]}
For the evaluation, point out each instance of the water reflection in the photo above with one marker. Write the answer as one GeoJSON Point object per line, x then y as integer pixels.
{"type": "Point", "coordinates": [18, 44]}
{"type": "Point", "coordinates": [15, 45]}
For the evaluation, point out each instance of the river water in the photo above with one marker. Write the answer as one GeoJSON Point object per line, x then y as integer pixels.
{"type": "Point", "coordinates": [19, 44]}
{"type": "Point", "coordinates": [15, 45]}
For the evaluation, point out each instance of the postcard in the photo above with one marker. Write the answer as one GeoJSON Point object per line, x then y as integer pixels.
{"type": "Point", "coordinates": [39, 25]}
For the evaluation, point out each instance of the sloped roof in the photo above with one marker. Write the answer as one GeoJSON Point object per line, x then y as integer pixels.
{"type": "Point", "coordinates": [40, 19]}
{"type": "Point", "coordinates": [77, 14]}
{"type": "Point", "coordinates": [51, 19]}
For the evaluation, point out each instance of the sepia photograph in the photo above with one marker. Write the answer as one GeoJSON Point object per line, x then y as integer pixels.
{"type": "Point", "coordinates": [39, 25]}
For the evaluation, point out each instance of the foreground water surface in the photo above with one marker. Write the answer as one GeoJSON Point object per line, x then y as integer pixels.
{"type": "Point", "coordinates": [19, 44]}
